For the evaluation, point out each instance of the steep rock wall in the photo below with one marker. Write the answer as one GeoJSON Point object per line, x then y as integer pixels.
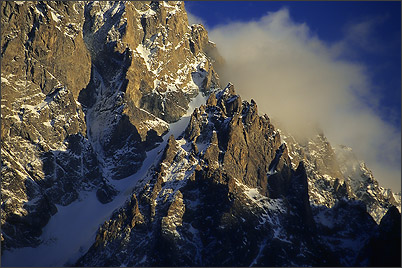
{"type": "Point", "coordinates": [87, 89]}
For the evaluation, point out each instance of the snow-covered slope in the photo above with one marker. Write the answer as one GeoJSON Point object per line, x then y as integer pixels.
{"type": "Point", "coordinates": [199, 209]}
{"type": "Point", "coordinates": [185, 213]}
{"type": "Point", "coordinates": [335, 173]}
{"type": "Point", "coordinates": [119, 148]}
{"type": "Point", "coordinates": [87, 89]}
{"type": "Point", "coordinates": [71, 231]}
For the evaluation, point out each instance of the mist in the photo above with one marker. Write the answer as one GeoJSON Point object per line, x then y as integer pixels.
{"type": "Point", "coordinates": [302, 83]}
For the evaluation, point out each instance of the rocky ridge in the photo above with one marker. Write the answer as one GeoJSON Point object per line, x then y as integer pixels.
{"type": "Point", "coordinates": [199, 208]}
{"type": "Point", "coordinates": [229, 189]}
{"type": "Point", "coordinates": [183, 224]}
{"type": "Point", "coordinates": [87, 88]}
{"type": "Point", "coordinates": [335, 173]}
{"type": "Point", "coordinates": [41, 53]}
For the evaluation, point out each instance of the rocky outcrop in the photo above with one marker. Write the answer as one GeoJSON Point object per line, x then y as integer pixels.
{"type": "Point", "coordinates": [211, 155]}
{"type": "Point", "coordinates": [248, 141]}
{"type": "Point", "coordinates": [298, 194]}
{"type": "Point", "coordinates": [335, 173]}
{"type": "Point", "coordinates": [197, 213]}
{"type": "Point", "coordinates": [174, 217]}
{"type": "Point", "coordinates": [87, 89]}
{"type": "Point", "coordinates": [363, 185]}
{"type": "Point", "coordinates": [144, 74]}
{"type": "Point", "coordinates": [46, 157]}
{"type": "Point", "coordinates": [384, 249]}
{"type": "Point", "coordinates": [230, 190]}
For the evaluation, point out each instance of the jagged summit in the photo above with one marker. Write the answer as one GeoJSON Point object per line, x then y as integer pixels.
{"type": "Point", "coordinates": [87, 89]}
{"type": "Point", "coordinates": [121, 148]}
{"type": "Point", "coordinates": [335, 173]}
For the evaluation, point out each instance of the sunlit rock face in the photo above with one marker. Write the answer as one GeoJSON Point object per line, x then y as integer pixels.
{"type": "Point", "coordinates": [203, 206]}
{"type": "Point", "coordinates": [121, 101]}
{"type": "Point", "coordinates": [87, 89]}
{"type": "Point", "coordinates": [335, 173]}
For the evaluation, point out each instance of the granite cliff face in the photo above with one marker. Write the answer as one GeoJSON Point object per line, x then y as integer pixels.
{"type": "Point", "coordinates": [87, 89]}
{"type": "Point", "coordinates": [200, 208]}
{"type": "Point", "coordinates": [113, 112]}
{"type": "Point", "coordinates": [335, 173]}
{"type": "Point", "coordinates": [44, 66]}
{"type": "Point", "coordinates": [200, 204]}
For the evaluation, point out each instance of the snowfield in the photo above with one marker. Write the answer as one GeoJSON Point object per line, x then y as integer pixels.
{"type": "Point", "coordinates": [72, 230]}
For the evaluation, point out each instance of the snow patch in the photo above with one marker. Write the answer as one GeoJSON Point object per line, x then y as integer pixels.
{"type": "Point", "coordinates": [4, 80]}
{"type": "Point", "coordinates": [144, 53]}
{"type": "Point", "coordinates": [73, 228]}
{"type": "Point", "coordinates": [56, 17]}
{"type": "Point", "coordinates": [148, 13]}
{"type": "Point", "coordinates": [47, 123]}
{"type": "Point", "coordinates": [202, 147]}
{"type": "Point", "coordinates": [155, 123]}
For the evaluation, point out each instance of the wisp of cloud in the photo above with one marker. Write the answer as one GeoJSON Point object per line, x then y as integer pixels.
{"type": "Point", "coordinates": [300, 81]}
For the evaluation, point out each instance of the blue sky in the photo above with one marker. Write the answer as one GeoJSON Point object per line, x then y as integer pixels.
{"type": "Point", "coordinates": [329, 20]}
{"type": "Point", "coordinates": [335, 63]}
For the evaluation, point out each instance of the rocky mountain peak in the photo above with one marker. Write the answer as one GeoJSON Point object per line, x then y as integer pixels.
{"type": "Point", "coordinates": [113, 112]}
{"type": "Point", "coordinates": [91, 85]}
{"type": "Point", "coordinates": [335, 173]}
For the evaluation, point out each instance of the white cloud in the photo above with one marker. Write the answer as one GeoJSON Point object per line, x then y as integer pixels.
{"type": "Point", "coordinates": [361, 35]}
{"type": "Point", "coordinates": [193, 19]}
{"type": "Point", "coordinates": [300, 81]}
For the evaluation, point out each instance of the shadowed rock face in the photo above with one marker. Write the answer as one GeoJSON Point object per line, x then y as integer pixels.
{"type": "Point", "coordinates": [384, 249]}
{"type": "Point", "coordinates": [234, 127]}
{"type": "Point", "coordinates": [198, 213]}
{"type": "Point", "coordinates": [387, 251]}
{"type": "Point", "coordinates": [89, 87]}
{"type": "Point", "coordinates": [335, 173]}
{"type": "Point", "coordinates": [46, 158]}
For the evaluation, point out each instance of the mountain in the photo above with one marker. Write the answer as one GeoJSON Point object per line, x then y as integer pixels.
{"type": "Point", "coordinates": [120, 147]}
{"type": "Point", "coordinates": [85, 96]}
{"type": "Point", "coordinates": [335, 173]}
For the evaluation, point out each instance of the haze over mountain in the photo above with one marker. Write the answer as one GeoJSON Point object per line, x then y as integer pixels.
{"type": "Point", "coordinates": [285, 61]}
{"type": "Point", "coordinates": [121, 146]}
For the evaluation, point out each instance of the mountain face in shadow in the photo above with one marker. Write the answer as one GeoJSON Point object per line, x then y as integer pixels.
{"type": "Point", "coordinates": [121, 147]}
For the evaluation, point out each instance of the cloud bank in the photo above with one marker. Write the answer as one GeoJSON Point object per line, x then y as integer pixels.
{"type": "Point", "coordinates": [300, 81]}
